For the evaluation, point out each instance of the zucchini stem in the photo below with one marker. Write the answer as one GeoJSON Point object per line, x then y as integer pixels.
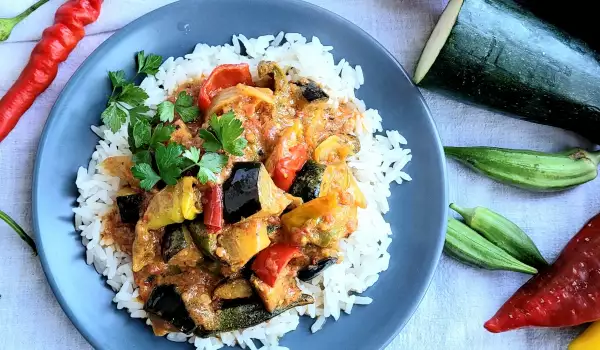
{"type": "Point", "coordinates": [24, 236]}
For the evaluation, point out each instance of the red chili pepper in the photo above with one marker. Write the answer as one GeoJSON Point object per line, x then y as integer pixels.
{"type": "Point", "coordinates": [286, 168]}
{"type": "Point", "coordinates": [222, 77]}
{"type": "Point", "coordinates": [565, 294]}
{"type": "Point", "coordinates": [213, 208]}
{"type": "Point", "coordinates": [54, 47]}
{"type": "Point", "coordinates": [270, 261]}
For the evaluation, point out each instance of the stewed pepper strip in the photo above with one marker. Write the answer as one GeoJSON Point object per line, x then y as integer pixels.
{"type": "Point", "coordinates": [213, 208]}
{"type": "Point", "coordinates": [222, 77]}
{"type": "Point", "coordinates": [269, 263]}
{"type": "Point", "coordinates": [55, 46]}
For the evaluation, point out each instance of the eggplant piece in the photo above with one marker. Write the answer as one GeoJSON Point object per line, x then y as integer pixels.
{"type": "Point", "coordinates": [250, 191]}
{"type": "Point", "coordinates": [312, 271]}
{"type": "Point", "coordinates": [166, 303]}
{"type": "Point", "coordinates": [312, 91]}
{"type": "Point", "coordinates": [129, 207]}
{"type": "Point", "coordinates": [307, 184]}
{"type": "Point", "coordinates": [238, 288]}
{"type": "Point", "coordinates": [247, 315]}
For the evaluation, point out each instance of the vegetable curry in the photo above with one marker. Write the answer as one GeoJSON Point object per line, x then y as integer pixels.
{"type": "Point", "coordinates": [249, 193]}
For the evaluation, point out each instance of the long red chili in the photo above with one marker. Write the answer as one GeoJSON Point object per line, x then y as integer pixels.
{"type": "Point", "coordinates": [54, 47]}
{"type": "Point", "coordinates": [565, 294]}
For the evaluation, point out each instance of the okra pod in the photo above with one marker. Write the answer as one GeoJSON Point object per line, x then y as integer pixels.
{"type": "Point", "coordinates": [530, 170]}
{"type": "Point", "coordinates": [467, 246]}
{"type": "Point", "coordinates": [503, 233]}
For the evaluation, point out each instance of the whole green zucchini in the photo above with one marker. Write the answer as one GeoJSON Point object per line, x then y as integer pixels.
{"type": "Point", "coordinates": [578, 18]}
{"type": "Point", "coordinates": [497, 54]}
{"type": "Point", "coordinates": [530, 170]}
{"type": "Point", "coordinates": [468, 247]}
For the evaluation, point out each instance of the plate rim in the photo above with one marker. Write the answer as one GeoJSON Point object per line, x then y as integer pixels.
{"type": "Point", "coordinates": [123, 32]}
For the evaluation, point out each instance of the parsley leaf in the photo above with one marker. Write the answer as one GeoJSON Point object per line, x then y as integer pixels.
{"type": "Point", "coordinates": [147, 175]}
{"type": "Point", "coordinates": [114, 117]}
{"type": "Point", "coordinates": [166, 111]}
{"type": "Point", "coordinates": [192, 154]}
{"type": "Point", "coordinates": [225, 130]}
{"type": "Point", "coordinates": [117, 78]}
{"type": "Point", "coordinates": [138, 112]}
{"type": "Point", "coordinates": [211, 143]}
{"type": "Point", "coordinates": [162, 133]}
{"type": "Point", "coordinates": [132, 95]}
{"type": "Point", "coordinates": [141, 133]}
{"type": "Point", "coordinates": [184, 106]}
{"type": "Point", "coordinates": [210, 165]}
{"type": "Point", "coordinates": [148, 64]}
{"type": "Point", "coordinates": [142, 157]}
{"type": "Point", "coordinates": [168, 161]}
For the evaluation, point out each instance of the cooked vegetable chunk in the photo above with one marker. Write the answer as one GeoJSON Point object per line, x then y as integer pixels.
{"type": "Point", "coordinates": [339, 180]}
{"type": "Point", "coordinates": [308, 181]}
{"type": "Point", "coordinates": [322, 222]}
{"type": "Point", "coordinates": [235, 289]}
{"type": "Point", "coordinates": [173, 204]}
{"type": "Point", "coordinates": [238, 243]}
{"type": "Point", "coordinates": [178, 247]}
{"type": "Point", "coordinates": [312, 271]}
{"type": "Point", "coordinates": [336, 148]}
{"type": "Point", "coordinates": [250, 192]}
{"type": "Point", "coordinates": [284, 293]}
{"type": "Point", "coordinates": [129, 207]}
{"type": "Point", "coordinates": [203, 239]}
{"type": "Point", "coordinates": [311, 91]}
{"type": "Point", "coordinates": [166, 303]}
{"type": "Point", "coordinates": [248, 315]}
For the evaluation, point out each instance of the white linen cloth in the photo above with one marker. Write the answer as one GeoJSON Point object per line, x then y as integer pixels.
{"type": "Point", "coordinates": [460, 298]}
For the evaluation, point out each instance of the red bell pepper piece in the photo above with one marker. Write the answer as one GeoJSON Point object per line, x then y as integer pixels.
{"type": "Point", "coordinates": [565, 294]}
{"type": "Point", "coordinates": [213, 208]}
{"type": "Point", "coordinates": [222, 77]}
{"type": "Point", "coordinates": [286, 168]}
{"type": "Point", "coordinates": [270, 261]}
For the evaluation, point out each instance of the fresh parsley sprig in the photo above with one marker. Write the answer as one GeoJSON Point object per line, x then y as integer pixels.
{"type": "Point", "coordinates": [126, 98]}
{"type": "Point", "coordinates": [184, 106]}
{"type": "Point", "coordinates": [210, 164]}
{"type": "Point", "coordinates": [224, 133]}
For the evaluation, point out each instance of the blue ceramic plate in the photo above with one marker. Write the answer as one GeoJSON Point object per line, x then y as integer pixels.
{"type": "Point", "coordinates": [418, 208]}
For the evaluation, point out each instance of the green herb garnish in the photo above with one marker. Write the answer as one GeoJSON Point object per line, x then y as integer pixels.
{"type": "Point", "coordinates": [126, 98]}
{"type": "Point", "coordinates": [184, 106]}
{"type": "Point", "coordinates": [224, 132]}
{"type": "Point", "coordinates": [210, 164]}
{"type": "Point", "coordinates": [148, 64]}
{"type": "Point", "coordinates": [147, 176]}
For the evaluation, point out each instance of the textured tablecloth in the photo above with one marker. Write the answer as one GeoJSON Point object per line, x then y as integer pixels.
{"type": "Point", "coordinates": [459, 300]}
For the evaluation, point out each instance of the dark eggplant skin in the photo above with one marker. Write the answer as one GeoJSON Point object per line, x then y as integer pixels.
{"type": "Point", "coordinates": [241, 193]}
{"type": "Point", "coordinates": [311, 91]}
{"type": "Point", "coordinates": [307, 184]}
{"type": "Point", "coordinates": [174, 241]}
{"type": "Point", "coordinates": [248, 313]}
{"type": "Point", "coordinates": [129, 207]}
{"type": "Point", "coordinates": [166, 303]}
{"type": "Point", "coordinates": [312, 271]}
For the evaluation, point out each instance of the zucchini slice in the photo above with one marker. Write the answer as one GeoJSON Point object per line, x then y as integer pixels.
{"type": "Point", "coordinates": [307, 184]}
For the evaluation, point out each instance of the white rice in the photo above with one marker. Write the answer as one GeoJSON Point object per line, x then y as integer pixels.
{"type": "Point", "coordinates": [376, 166]}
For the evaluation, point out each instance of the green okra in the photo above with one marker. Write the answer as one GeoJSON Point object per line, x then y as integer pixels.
{"type": "Point", "coordinates": [466, 245]}
{"type": "Point", "coordinates": [530, 170]}
{"type": "Point", "coordinates": [503, 233]}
